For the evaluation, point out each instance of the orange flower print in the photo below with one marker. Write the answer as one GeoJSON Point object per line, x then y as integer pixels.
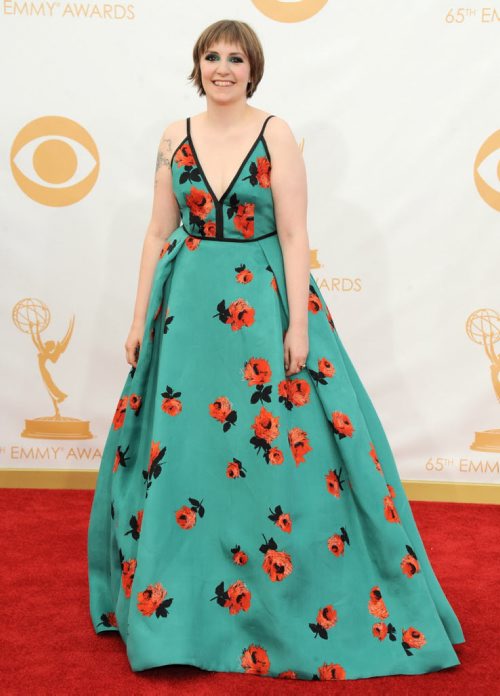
{"type": "Point", "coordinates": [263, 172]}
{"type": "Point", "coordinates": [299, 444]}
{"type": "Point", "coordinates": [381, 630]}
{"type": "Point", "coordinates": [336, 543]}
{"type": "Point", "coordinates": [167, 248]}
{"type": "Point", "coordinates": [152, 600]}
{"type": "Point", "coordinates": [199, 202]}
{"type": "Point", "coordinates": [192, 243]}
{"type": "Point", "coordinates": [184, 156]}
{"type": "Point", "coordinates": [412, 639]}
{"type": "Point", "coordinates": [327, 672]}
{"type": "Point", "coordinates": [325, 371]}
{"type": "Point", "coordinates": [221, 409]}
{"type": "Point", "coordinates": [186, 516]}
{"type": "Point", "coordinates": [265, 425]}
{"type": "Point", "coordinates": [128, 572]}
{"type": "Point", "coordinates": [135, 524]}
{"type": "Point", "coordinates": [314, 302]}
{"type": "Point", "coordinates": [156, 455]}
{"type": "Point", "coordinates": [294, 392]}
{"type": "Point", "coordinates": [120, 457]}
{"type": "Point", "coordinates": [257, 371]}
{"type": "Point", "coordinates": [239, 556]}
{"type": "Point", "coordinates": [236, 598]}
{"type": "Point", "coordinates": [108, 619]}
{"type": "Point", "coordinates": [135, 403]}
{"type": "Point", "coordinates": [342, 425]}
{"type": "Point", "coordinates": [171, 403]}
{"type": "Point", "coordinates": [255, 660]}
{"type": "Point", "coordinates": [237, 315]}
{"type": "Point", "coordinates": [373, 455]}
{"type": "Point", "coordinates": [274, 284]}
{"type": "Point", "coordinates": [289, 674]}
{"type": "Point", "coordinates": [266, 429]}
{"type": "Point", "coordinates": [390, 512]}
{"type": "Point", "coordinates": [244, 275]}
{"type": "Point", "coordinates": [275, 456]}
{"type": "Point", "coordinates": [326, 368]}
{"type": "Point", "coordinates": [260, 172]}
{"type": "Point", "coordinates": [209, 228]}
{"type": "Point", "coordinates": [409, 564]}
{"type": "Point", "coordinates": [326, 618]}
{"type": "Point", "coordinates": [391, 490]}
{"type": "Point", "coordinates": [235, 469]}
{"type": "Point", "coordinates": [277, 564]}
{"type": "Point", "coordinates": [244, 219]}
{"type": "Point", "coordinates": [334, 482]}
{"type": "Point", "coordinates": [329, 317]}
{"type": "Point", "coordinates": [376, 604]}
{"type": "Point", "coordinates": [281, 519]}
{"type": "Point", "coordinates": [119, 416]}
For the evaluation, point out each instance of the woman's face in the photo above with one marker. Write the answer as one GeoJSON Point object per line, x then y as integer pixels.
{"type": "Point", "coordinates": [225, 72]}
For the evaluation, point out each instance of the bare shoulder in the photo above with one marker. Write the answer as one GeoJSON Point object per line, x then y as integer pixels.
{"type": "Point", "coordinates": [279, 136]}
{"type": "Point", "coordinates": [172, 136]}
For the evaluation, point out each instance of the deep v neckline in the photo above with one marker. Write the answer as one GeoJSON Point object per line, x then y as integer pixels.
{"type": "Point", "coordinates": [218, 201]}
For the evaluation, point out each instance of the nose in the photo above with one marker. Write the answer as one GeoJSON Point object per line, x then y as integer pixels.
{"type": "Point", "coordinates": [222, 69]}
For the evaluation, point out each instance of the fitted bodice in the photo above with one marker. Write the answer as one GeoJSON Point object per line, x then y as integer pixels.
{"type": "Point", "coordinates": [244, 212]}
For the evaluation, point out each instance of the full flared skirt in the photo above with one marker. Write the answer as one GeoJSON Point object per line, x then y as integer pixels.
{"type": "Point", "coordinates": [248, 522]}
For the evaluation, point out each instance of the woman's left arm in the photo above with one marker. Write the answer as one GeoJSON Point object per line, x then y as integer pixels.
{"type": "Point", "coordinates": [289, 189]}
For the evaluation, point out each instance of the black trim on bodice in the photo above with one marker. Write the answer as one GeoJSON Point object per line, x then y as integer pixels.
{"type": "Point", "coordinates": [218, 203]}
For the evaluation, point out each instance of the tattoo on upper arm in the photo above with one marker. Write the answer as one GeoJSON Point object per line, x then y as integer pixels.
{"type": "Point", "coordinates": [163, 156]}
{"type": "Point", "coordinates": [164, 152]}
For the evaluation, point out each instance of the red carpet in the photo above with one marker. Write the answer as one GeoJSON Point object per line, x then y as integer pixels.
{"type": "Point", "coordinates": [49, 645]}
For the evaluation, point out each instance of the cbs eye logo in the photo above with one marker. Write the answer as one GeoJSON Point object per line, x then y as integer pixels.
{"type": "Point", "coordinates": [487, 170]}
{"type": "Point", "coordinates": [54, 160]}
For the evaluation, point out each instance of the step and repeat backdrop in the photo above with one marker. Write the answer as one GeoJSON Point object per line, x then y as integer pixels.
{"type": "Point", "coordinates": [396, 110]}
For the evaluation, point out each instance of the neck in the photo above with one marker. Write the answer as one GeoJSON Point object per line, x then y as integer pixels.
{"type": "Point", "coordinates": [224, 117]}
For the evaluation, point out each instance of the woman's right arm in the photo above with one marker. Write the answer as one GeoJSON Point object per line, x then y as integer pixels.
{"type": "Point", "coordinates": [164, 220]}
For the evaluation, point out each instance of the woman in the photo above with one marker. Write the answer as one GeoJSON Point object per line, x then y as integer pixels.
{"type": "Point", "coordinates": [248, 514]}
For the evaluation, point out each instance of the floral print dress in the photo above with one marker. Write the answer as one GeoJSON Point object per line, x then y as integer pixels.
{"type": "Point", "coordinates": [245, 521]}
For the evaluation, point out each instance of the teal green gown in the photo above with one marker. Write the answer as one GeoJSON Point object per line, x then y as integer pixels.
{"type": "Point", "coordinates": [245, 521]}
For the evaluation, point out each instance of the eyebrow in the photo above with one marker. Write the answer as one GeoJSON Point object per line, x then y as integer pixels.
{"type": "Point", "coordinates": [233, 53]}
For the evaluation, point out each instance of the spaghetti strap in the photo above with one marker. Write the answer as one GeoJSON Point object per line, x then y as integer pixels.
{"type": "Point", "coordinates": [264, 124]}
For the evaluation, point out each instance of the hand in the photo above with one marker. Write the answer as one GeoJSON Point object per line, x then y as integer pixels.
{"type": "Point", "coordinates": [295, 348]}
{"type": "Point", "coordinates": [134, 342]}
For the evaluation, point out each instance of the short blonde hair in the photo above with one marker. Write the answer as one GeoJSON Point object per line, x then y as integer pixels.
{"type": "Point", "coordinates": [235, 32]}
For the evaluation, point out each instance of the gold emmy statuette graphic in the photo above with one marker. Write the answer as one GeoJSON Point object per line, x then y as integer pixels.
{"type": "Point", "coordinates": [314, 263]}
{"type": "Point", "coordinates": [33, 316]}
{"type": "Point", "coordinates": [483, 327]}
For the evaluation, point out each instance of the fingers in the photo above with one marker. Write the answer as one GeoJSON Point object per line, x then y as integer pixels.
{"type": "Point", "coordinates": [132, 353]}
{"type": "Point", "coordinates": [294, 364]}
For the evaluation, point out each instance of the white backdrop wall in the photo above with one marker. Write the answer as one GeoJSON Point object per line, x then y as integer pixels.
{"type": "Point", "coordinates": [398, 110]}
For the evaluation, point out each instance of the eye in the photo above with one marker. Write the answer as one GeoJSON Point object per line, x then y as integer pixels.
{"type": "Point", "coordinates": [214, 56]}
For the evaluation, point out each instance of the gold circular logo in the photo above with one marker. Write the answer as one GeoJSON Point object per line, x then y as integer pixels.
{"type": "Point", "coordinates": [289, 11]}
{"type": "Point", "coordinates": [54, 160]}
{"type": "Point", "coordinates": [487, 170]}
